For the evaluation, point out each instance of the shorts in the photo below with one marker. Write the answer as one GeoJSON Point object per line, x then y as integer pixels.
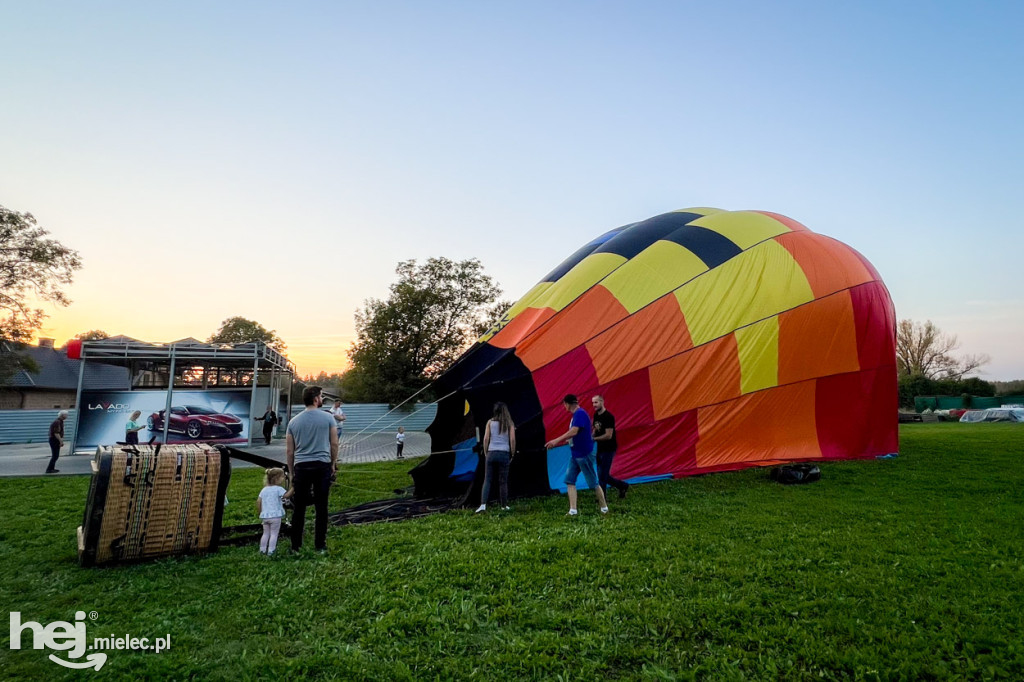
{"type": "Point", "coordinates": [585, 465]}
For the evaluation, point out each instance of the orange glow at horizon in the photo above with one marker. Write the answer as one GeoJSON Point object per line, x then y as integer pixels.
{"type": "Point", "coordinates": [311, 354]}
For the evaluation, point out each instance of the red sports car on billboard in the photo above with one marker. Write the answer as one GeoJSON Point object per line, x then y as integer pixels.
{"type": "Point", "coordinates": [197, 422]}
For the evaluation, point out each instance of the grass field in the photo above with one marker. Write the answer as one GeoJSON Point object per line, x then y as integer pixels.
{"type": "Point", "coordinates": [908, 568]}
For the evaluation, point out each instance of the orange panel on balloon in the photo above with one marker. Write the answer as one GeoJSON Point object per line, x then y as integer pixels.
{"type": "Point", "coordinates": [818, 339]}
{"type": "Point", "coordinates": [705, 375]}
{"type": "Point", "coordinates": [520, 326]}
{"type": "Point", "coordinates": [616, 351]}
{"type": "Point", "coordinates": [777, 424]}
{"type": "Point", "coordinates": [588, 315]}
{"type": "Point", "coordinates": [829, 265]}
{"type": "Point", "coordinates": [788, 222]}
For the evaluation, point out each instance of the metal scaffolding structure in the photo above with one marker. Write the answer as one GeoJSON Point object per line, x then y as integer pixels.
{"type": "Point", "coordinates": [192, 364]}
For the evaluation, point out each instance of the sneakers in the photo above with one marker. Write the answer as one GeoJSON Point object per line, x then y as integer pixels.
{"type": "Point", "coordinates": [604, 510]}
{"type": "Point", "coordinates": [572, 512]}
{"type": "Point", "coordinates": [506, 509]}
{"type": "Point", "coordinates": [623, 490]}
{"type": "Point", "coordinates": [481, 508]}
{"type": "Point", "coordinates": [53, 471]}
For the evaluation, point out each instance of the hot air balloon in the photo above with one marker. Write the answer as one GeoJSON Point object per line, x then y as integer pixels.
{"type": "Point", "coordinates": [720, 340]}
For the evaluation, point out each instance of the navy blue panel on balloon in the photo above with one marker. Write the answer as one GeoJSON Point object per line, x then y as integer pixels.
{"type": "Point", "coordinates": [708, 245]}
{"type": "Point", "coordinates": [480, 358]}
{"type": "Point", "coordinates": [639, 236]}
{"type": "Point", "coordinates": [574, 260]}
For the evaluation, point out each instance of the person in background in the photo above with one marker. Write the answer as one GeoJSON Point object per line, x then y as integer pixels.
{"type": "Point", "coordinates": [400, 440]}
{"type": "Point", "coordinates": [56, 440]}
{"type": "Point", "coordinates": [581, 450]}
{"type": "Point", "coordinates": [270, 507]}
{"type": "Point", "coordinates": [607, 444]}
{"type": "Point", "coordinates": [311, 449]}
{"type": "Point", "coordinates": [499, 444]}
{"type": "Point", "coordinates": [132, 428]}
{"type": "Point", "coordinates": [339, 417]}
{"type": "Point", "coordinates": [269, 420]}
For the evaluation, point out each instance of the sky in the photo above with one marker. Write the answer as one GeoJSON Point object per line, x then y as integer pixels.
{"type": "Point", "coordinates": [277, 160]}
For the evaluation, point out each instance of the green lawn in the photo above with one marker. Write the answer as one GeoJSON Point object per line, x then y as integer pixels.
{"type": "Point", "coordinates": [891, 569]}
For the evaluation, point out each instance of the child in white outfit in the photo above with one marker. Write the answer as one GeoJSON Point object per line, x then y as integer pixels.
{"type": "Point", "coordinates": [269, 505]}
{"type": "Point", "coordinates": [400, 440]}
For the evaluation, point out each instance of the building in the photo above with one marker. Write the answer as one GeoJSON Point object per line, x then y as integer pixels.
{"type": "Point", "coordinates": [55, 384]}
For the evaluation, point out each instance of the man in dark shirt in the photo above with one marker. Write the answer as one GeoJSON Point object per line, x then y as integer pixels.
{"type": "Point", "coordinates": [56, 440]}
{"type": "Point", "coordinates": [607, 444]}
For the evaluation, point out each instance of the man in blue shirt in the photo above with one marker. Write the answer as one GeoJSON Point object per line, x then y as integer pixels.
{"type": "Point", "coordinates": [581, 449]}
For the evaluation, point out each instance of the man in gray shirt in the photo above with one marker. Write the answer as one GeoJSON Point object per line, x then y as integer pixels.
{"type": "Point", "coordinates": [312, 449]}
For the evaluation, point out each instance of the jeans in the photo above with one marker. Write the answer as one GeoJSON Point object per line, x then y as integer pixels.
{"type": "Point", "coordinates": [54, 454]}
{"type": "Point", "coordinates": [497, 466]}
{"type": "Point", "coordinates": [312, 483]}
{"type": "Point", "coordinates": [586, 466]}
{"type": "Point", "coordinates": [604, 471]}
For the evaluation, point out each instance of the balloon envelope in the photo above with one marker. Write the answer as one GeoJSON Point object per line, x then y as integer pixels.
{"type": "Point", "coordinates": [718, 339]}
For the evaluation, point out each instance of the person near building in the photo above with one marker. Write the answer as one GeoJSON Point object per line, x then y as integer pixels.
{"type": "Point", "coordinates": [56, 440]}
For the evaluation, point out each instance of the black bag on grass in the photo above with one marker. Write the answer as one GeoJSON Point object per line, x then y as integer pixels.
{"type": "Point", "coordinates": [796, 473]}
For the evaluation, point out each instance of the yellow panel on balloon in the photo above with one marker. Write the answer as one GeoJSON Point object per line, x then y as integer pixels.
{"type": "Point", "coordinates": [538, 291]}
{"type": "Point", "coordinates": [584, 275]}
{"type": "Point", "coordinates": [652, 273]}
{"type": "Point", "coordinates": [758, 347]}
{"type": "Point", "coordinates": [756, 284]}
{"type": "Point", "coordinates": [742, 228]}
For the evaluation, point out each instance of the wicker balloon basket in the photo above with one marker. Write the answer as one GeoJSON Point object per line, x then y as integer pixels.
{"type": "Point", "coordinates": [147, 502]}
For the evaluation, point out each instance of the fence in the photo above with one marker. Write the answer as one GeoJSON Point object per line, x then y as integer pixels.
{"type": "Point", "coordinates": [31, 426]}
{"type": "Point", "coordinates": [963, 402]}
{"type": "Point", "coordinates": [371, 417]}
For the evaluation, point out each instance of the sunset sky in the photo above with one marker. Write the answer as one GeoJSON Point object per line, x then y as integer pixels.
{"type": "Point", "coordinates": [277, 160]}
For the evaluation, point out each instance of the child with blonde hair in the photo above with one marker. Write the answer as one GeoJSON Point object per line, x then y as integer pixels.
{"type": "Point", "coordinates": [400, 441]}
{"type": "Point", "coordinates": [271, 508]}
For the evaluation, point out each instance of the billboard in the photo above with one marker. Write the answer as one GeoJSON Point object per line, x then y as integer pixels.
{"type": "Point", "coordinates": [196, 416]}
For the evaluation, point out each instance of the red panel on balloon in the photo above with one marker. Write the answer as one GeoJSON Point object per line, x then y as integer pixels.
{"type": "Point", "coordinates": [628, 398]}
{"type": "Point", "coordinates": [857, 414]}
{"type": "Point", "coordinates": [571, 373]}
{"type": "Point", "coordinates": [875, 321]}
{"type": "Point", "coordinates": [665, 447]}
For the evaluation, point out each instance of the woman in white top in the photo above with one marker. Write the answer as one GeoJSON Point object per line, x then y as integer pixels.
{"type": "Point", "coordinates": [499, 444]}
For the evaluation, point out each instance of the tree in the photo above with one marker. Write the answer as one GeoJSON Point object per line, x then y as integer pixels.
{"type": "Point", "coordinates": [1015, 387]}
{"type": "Point", "coordinates": [240, 330]}
{"type": "Point", "coordinates": [92, 335]}
{"type": "Point", "coordinates": [433, 313]}
{"type": "Point", "coordinates": [33, 268]}
{"type": "Point", "coordinates": [923, 349]}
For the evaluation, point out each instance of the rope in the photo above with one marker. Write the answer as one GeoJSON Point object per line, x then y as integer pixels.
{"type": "Point", "coordinates": [411, 414]}
{"type": "Point", "coordinates": [396, 407]}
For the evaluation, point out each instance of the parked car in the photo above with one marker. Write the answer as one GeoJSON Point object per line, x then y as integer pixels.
{"type": "Point", "coordinates": [197, 422]}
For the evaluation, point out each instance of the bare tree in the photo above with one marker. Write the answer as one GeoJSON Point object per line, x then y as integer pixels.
{"type": "Point", "coordinates": [922, 349]}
